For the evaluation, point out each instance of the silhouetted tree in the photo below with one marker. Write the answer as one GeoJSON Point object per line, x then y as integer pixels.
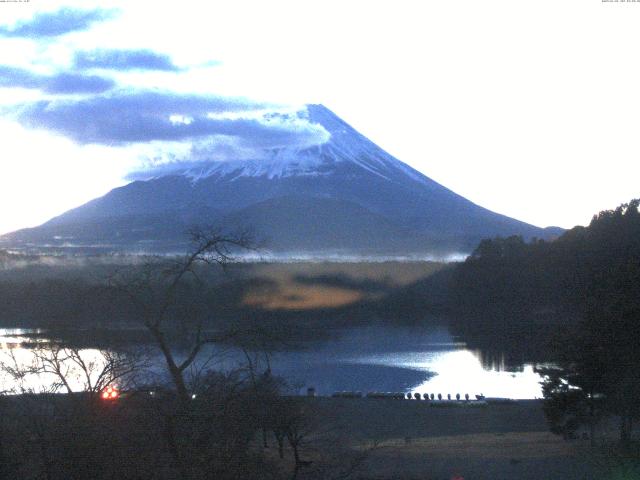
{"type": "Point", "coordinates": [600, 359]}
{"type": "Point", "coordinates": [156, 290]}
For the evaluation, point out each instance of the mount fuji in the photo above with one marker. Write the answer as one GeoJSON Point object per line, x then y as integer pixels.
{"type": "Point", "coordinates": [346, 196]}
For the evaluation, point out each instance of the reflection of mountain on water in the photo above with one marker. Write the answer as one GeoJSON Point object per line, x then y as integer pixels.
{"type": "Point", "coordinates": [331, 377]}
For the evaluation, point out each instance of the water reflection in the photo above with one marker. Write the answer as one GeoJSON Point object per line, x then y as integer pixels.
{"type": "Point", "coordinates": [462, 371]}
{"type": "Point", "coordinates": [24, 366]}
{"type": "Point", "coordinates": [19, 337]}
{"type": "Point", "coordinates": [376, 358]}
{"type": "Point", "coordinates": [409, 359]}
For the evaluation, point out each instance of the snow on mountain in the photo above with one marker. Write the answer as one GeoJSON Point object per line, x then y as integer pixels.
{"type": "Point", "coordinates": [345, 145]}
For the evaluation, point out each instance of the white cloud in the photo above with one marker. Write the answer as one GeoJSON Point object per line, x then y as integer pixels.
{"type": "Point", "coordinates": [180, 119]}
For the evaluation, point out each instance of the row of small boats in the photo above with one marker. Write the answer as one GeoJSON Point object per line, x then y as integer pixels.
{"type": "Point", "coordinates": [409, 396]}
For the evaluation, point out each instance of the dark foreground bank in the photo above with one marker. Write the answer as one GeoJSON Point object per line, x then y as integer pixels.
{"type": "Point", "coordinates": [415, 440]}
{"type": "Point", "coordinates": [145, 436]}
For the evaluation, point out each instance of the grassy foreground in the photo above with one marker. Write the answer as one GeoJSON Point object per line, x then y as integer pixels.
{"type": "Point", "coordinates": [499, 441]}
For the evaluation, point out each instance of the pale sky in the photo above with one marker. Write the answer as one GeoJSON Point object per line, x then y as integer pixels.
{"type": "Point", "coordinates": [528, 108]}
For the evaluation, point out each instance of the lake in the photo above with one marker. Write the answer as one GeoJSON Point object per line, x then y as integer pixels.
{"type": "Point", "coordinates": [375, 358]}
{"type": "Point", "coordinates": [425, 360]}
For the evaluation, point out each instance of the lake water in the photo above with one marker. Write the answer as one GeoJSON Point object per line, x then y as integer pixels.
{"type": "Point", "coordinates": [376, 358]}
{"type": "Point", "coordinates": [391, 359]}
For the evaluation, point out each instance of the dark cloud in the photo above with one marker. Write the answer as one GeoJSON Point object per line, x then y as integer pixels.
{"type": "Point", "coordinates": [132, 117]}
{"type": "Point", "coordinates": [124, 60]}
{"type": "Point", "coordinates": [58, 83]}
{"type": "Point", "coordinates": [76, 83]}
{"type": "Point", "coordinates": [19, 77]}
{"type": "Point", "coordinates": [53, 24]}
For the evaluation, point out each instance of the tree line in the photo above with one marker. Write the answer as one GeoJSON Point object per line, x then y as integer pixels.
{"type": "Point", "coordinates": [582, 294]}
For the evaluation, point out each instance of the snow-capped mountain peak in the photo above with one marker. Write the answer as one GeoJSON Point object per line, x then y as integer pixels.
{"type": "Point", "coordinates": [345, 146]}
{"type": "Point", "coordinates": [342, 194]}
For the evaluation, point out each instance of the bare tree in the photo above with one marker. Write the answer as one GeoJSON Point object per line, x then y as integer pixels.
{"type": "Point", "coordinates": [54, 367]}
{"type": "Point", "coordinates": [155, 289]}
{"type": "Point", "coordinates": [90, 372]}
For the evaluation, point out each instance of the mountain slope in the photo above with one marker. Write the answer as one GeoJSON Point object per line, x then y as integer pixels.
{"type": "Point", "coordinates": [345, 195]}
{"type": "Point", "coordinates": [326, 225]}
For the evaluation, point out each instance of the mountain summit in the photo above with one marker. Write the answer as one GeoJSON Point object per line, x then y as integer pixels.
{"type": "Point", "coordinates": [346, 146]}
{"type": "Point", "coordinates": [346, 196]}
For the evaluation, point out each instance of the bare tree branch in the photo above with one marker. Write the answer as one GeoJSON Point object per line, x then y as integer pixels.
{"type": "Point", "coordinates": [154, 290]}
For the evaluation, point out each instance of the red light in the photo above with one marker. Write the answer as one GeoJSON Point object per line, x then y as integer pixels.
{"type": "Point", "coordinates": [110, 393]}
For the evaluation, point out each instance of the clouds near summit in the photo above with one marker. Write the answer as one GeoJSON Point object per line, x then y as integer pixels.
{"type": "Point", "coordinates": [126, 117]}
